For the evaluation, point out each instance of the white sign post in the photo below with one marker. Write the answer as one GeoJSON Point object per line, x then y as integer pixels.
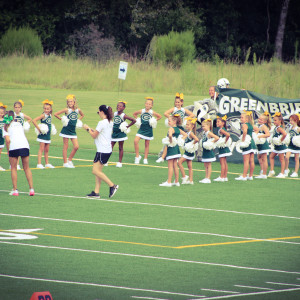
{"type": "Point", "coordinates": [123, 70]}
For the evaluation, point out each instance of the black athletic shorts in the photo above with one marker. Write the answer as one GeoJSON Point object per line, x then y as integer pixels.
{"type": "Point", "coordinates": [102, 157]}
{"type": "Point", "coordinates": [23, 152]}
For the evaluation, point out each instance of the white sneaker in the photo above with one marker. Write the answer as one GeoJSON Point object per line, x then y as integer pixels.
{"type": "Point", "coordinates": [219, 179]}
{"type": "Point", "coordinates": [262, 176]}
{"type": "Point", "coordinates": [271, 173]}
{"type": "Point", "coordinates": [294, 175]}
{"type": "Point", "coordinates": [145, 161]}
{"type": "Point", "coordinates": [70, 163]}
{"type": "Point", "coordinates": [2, 169]}
{"type": "Point", "coordinates": [49, 166]}
{"type": "Point", "coordinates": [280, 175]}
{"type": "Point", "coordinates": [225, 179]}
{"type": "Point", "coordinates": [160, 160]}
{"type": "Point", "coordinates": [167, 184]}
{"type": "Point", "coordinates": [119, 165]}
{"type": "Point", "coordinates": [205, 180]}
{"type": "Point", "coordinates": [286, 172]}
{"type": "Point", "coordinates": [249, 178]}
{"type": "Point", "coordinates": [18, 167]}
{"type": "Point", "coordinates": [241, 178]}
{"type": "Point", "coordinates": [106, 165]}
{"type": "Point", "coordinates": [190, 182]}
{"type": "Point", "coordinates": [137, 160]}
{"type": "Point", "coordinates": [175, 183]}
{"type": "Point", "coordinates": [185, 180]}
{"type": "Point", "coordinates": [40, 166]}
{"type": "Point", "coordinates": [66, 165]}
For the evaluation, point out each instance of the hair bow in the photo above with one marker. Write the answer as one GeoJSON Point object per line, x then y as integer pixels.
{"type": "Point", "coordinates": [224, 118]}
{"type": "Point", "coordinates": [7, 119]}
{"type": "Point", "coordinates": [149, 98]}
{"type": "Point", "coordinates": [70, 96]}
{"type": "Point", "coordinates": [21, 101]}
{"type": "Point", "coordinates": [176, 115]}
{"type": "Point", "coordinates": [277, 114]}
{"type": "Point", "coordinates": [123, 102]}
{"type": "Point", "coordinates": [298, 115]}
{"type": "Point", "coordinates": [179, 96]}
{"type": "Point", "coordinates": [47, 102]}
{"type": "Point", "coordinates": [2, 105]}
{"type": "Point", "coordinates": [266, 113]}
{"type": "Point", "coordinates": [193, 120]}
{"type": "Point", "coordinates": [248, 113]}
{"type": "Point", "coordinates": [207, 120]}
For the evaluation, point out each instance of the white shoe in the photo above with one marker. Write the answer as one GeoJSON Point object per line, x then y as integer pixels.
{"type": "Point", "coordinates": [119, 165]}
{"type": "Point", "coordinates": [18, 167]}
{"type": "Point", "coordinates": [219, 179]}
{"type": "Point", "coordinates": [167, 184]}
{"type": "Point", "coordinates": [175, 183]}
{"type": "Point", "coordinates": [137, 160]}
{"type": "Point", "coordinates": [106, 165]}
{"type": "Point", "coordinates": [262, 176]}
{"type": "Point", "coordinates": [271, 173]}
{"type": "Point", "coordinates": [294, 175]}
{"type": "Point", "coordinates": [205, 180]}
{"type": "Point", "coordinates": [185, 180]}
{"type": "Point", "coordinates": [2, 169]}
{"type": "Point", "coordinates": [190, 182]}
{"type": "Point", "coordinates": [160, 160]}
{"type": "Point", "coordinates": [49, 166]}
{"type": "Point", "coordinates": [280, 175]}
{"type": "Point", "coordinates": [286, 172]}
{"type": "Point", "coordinates": [66, 165]}
{"type": "Point", "coordinates": [40, 166]}
{"type": "Point", "coordinates": [225, 179]}
{"type": "Point", "coordinates": [261, 172]}
{"type": "Point", "coordinates": [70, 163]}
{"type": "Point", "coordinates": [249, 178]}
{"type": "Point", "coordinates": [241, 178]}
{"type": "Point", "coordinates": [145, 161]}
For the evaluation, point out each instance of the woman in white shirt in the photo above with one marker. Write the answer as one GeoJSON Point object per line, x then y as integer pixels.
{"type": "Point", "coordinates": [102, 138]}
{"type": "Point", "coordinates": [18, 146]}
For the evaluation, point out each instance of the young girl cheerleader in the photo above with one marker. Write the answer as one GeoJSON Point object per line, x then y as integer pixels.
{"type": "Point", "coordinates": [247, 145]}
{"type": "Point", "coordinates": [102, 138]}
{"type": "Point", "coordinates": [261, 134]}
{"type": "Point", "coordinates": [224, 150]}
{"type": "Point", "coordinates": [294, 146]}
{"type": "Point", "coordinates": [190, 146]}
{"type": "Point", "coordinates": [68, 132]}
{"type": "Point", "coordinates": [44, 138]}
{"type": "Point", "coordinates": [208, 155]}
{"type": "Point", "coordinates": [2, 114]}
{"type": "Point", "coordinates": [18, 147]}
{"type": "Point", "coordinates": [279, 148]}
{"type": "Point", "coordinates": [173, 152]}
{"type": "Point", "coordinates": [177, 109]}
{"type": "Point", "coordinates": [146, 131]}
{"type": "Point", "coordinates": [118, 135]}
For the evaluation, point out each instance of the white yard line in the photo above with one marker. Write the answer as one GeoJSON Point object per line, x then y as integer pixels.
{"type": "Point", "coordinates": [253, 287]}
{"type": "Point", "coordinates": [152, 257]}
{"type": "Point", "coordinates": [281, 283]}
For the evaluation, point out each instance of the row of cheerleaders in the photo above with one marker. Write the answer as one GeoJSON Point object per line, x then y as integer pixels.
{"type": "Point", "coordinates": [269, 136]}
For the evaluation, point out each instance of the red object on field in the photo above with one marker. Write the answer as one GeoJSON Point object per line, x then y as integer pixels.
{"type": "Point", "coordinates": [41, 296]}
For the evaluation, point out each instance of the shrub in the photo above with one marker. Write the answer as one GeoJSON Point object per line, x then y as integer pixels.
{"type": "Point", "coordinates": [174, 48]}
{"type": "Point", "coordinates": [22, 41]}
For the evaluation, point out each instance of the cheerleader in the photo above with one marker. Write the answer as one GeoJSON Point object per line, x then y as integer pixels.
{"type": "Point", "coordinates": [190, 146]}
{"type": "Point", "coordinates": [2, 114]}
{"type": "Point", "coordinates": [44, 137]}
{"type": "Point", "coordinates": [145, 131]}
{"type": "Point", "coordinates": [294, 145]}
{"type": "Point", "coordinates": [68, 131]}
{"type": "Point", "coordinates": [248, 146]}
{"type": "Point", "coordinates": [280, 148]}
{"type": "Point", "coordinates": [208, 155]}
{"type": "Point", "coordinates": [224, 150]}
{"type": "Point", "coordinates": [118, 134]}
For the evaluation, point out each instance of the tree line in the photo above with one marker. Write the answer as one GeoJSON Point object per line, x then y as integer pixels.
{"type": "Point", "coordinates": [231, 30]}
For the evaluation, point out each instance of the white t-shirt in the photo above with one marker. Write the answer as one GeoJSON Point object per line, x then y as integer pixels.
{"type": "Point", "coordinates": [103, 140]}
{"type": "Point", "coordinates": [17, 136]}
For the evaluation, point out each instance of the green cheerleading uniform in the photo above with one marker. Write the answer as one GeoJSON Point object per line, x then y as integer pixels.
{"type": "Point", "coordinates": [117, 134]}
{"type": "Point", "coordinates": [1, 134]}
{"type": "Point", "coordinates": [45, 138]}
{"type": "Point", "coordinates": [278, 148]}
{"type": "Point", "coordinates": [252, 147]}
{"type": "Point", "coordinates": [188, 155]}
{"type": "Point", "coordinates": [207, 155]}
{"type": "Point", "coordinates": [69, 131]}
{"type": "Point", "coordinates": [146, 131]}
{"type": "Point", "coordinates": [265, 147]}
{"type": "Point", "coordinates": [181, 113]}
{"type": "Point", "coordinates": [174, 152]}
{"type": "Point", "coordinates": [223, 152]}
{"type": "Point", "coordinates": [293, 148]}
{"type": "Point", "coordinates": [20, 118]}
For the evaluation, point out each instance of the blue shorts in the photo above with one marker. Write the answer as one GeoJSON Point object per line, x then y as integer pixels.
{"type": "Point", "coordinates": [102, 157]}
{"type": "Point", "coordinates": [23, 152]}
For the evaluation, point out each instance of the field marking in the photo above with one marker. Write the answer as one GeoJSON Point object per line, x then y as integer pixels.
{"type": "Point", "coordinates": [150, 298]}
{"type": "Point", "coordinates": [220, 291]}
{"type": "Point", "coordinates": [151, 257]}
{"type": "Point", "coordinates": [160, 205]}
{"type": "Point", "coordinates": [253, 287]}
{"type": "Point", "coordinates": [281, 283]}
{"type": "Point", "coordinates": [99, 285]}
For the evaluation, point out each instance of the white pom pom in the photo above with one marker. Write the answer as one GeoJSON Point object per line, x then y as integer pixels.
{"type": "Point", "coordinates": [153, 122]}
{"type": "Point", "coordinates": [277, 140]}
{"type": "Point", "coordinates": [124, 128]}
{"type": "Point", "coordinates": [191, 147]}
{"type": "Point", "coordinates": [180, 141]}
{"type": "Point", "coordinates": [165, 141]}
{"type": "Point", "coordinates": [229, 142]}
{"type": "Point", "coordinates": [184, 123]}
{"type": "Point", "coordinates": [26, 126]}
{"type": "Point", "coordinates": [43, 128]}
{"type": "Point", "coordinates": [65, 121]}
{"type": "Point", "coordinates": [53, 129]}
{"type": "Point", "coordinates": [220, 143]}
{"type": "Point", "coordinates": [257, 140]}
{"type": "Point", "coordinates": [209, 144]}
{"type": "Point", "coordinates": [174, 142]}
{"type": "Point", "coordinates": [246, 143]}
{"type": "Point", "coordinates": [296, 140]}
{"type": "Point", "coordinates": [287, 140]}
{"type": "Point", "coordinates": [167, 123]}
{"type": "Point", "coordinates": [138, 122]}
{"type": "Point", "coordinates": [79, 124]}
